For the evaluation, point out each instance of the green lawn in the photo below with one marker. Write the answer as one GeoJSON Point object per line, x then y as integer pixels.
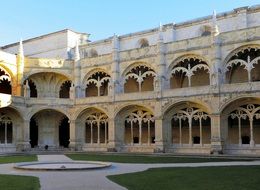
{"type": "Point", "coordinates": [14, 182]}
{"type": "Point", "coordinates": [142, 158]}
{"type": "Point", "coordinates": [14, 159]}
{"type": "Point", "coordinates": [203, 178]}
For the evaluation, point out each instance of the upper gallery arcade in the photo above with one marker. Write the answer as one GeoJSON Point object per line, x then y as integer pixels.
{"type": "Point", "coordinates": [191, 87]}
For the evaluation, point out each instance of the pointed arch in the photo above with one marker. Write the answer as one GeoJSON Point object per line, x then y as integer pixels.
{"type": "Point", "coordinates": [139, 77]}
{"type": "Point", "coordinates": [189, 70]}
{"type": "Point", "coordinates": [243, 64]}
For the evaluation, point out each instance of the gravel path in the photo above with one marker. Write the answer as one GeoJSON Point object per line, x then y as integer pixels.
{"type": "Point", "coordinates": [96, 179]}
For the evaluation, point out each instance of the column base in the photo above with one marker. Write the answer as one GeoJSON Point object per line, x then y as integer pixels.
{"type": "Point", "coordinates": [216, 146]}
{"type": "Point", "coordinates": [75, 146]}
{"type": "Point", "coordinates": [113, 146]}
{"type": "Point", "coordinates": [160, 147]}
{"type": "Point", "coordinates": [23, 146]}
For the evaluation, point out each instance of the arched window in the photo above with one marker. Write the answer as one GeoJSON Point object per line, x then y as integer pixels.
{"type": "Point", "coordinates": [244, 66]}
{"type": "Point", "coordinates": [191, 126]}
{"type": "Point", "coordinates": [140, 128]}
{"type": "Point", "coordinates": [65, 89]}
{"type": "Point", "coordinates": [139, 79]}
{"type": "Point", "coordinates": [189, 72]}
{"type": "Point", "coordinates": [96, 128]}
{"type": "Point", "coordinates": [244, 124]}
{"type": "Point", "coordinates": [5, 82]}
{"type": "Point", "coordinates": [6, 129]}
{"type": "Point", "coordinates": [143, 42]}
{"type": "Point", "coordinates": [97, 84]}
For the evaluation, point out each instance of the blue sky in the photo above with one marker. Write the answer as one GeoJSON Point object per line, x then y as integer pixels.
{"type": "Point", "coordinates": [101, 18]}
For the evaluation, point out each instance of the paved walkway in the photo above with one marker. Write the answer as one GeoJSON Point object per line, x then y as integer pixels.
{"type": "Point", "coordinates": [96, 179]}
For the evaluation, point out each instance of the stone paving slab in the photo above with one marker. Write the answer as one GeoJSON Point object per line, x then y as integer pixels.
{"type": "Point", "coordinates": [96, 179]}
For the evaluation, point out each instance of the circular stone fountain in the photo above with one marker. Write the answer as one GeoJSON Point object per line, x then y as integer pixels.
{"type": "Point", "coordinates": [62, 166]}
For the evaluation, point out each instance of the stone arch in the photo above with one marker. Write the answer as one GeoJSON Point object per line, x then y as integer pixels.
{"type": "Point", "coordinates": [188, 122]}
{"type": "Point", "coordinates": [34, 72]}
{"type": "Point", "coordinates": [139, 77]}
{"type": "Point", "coordinates": [52, 128]}
{"type": "Point", "coordinates": [29, 115]}
{"type": "Point", "coordinates": [96, 83]}
{"type": "Point", "coordinates": [94, 124]}
{"type": "Point", "coordinates": [93, 71]}
{"type": "Point", "coordinates": [191, 103]}
{"type": "Point", "coordinates": [136, 125]}
{"type": "Point", "coordinates": [48, 83]}
{"type": "Point", "coordinates": [240, 118]}
{"type": "Point", "coordinates": [189, 70]}
{"type": "Point", "coordinates": [81, 111]}
{"type": "Point", "coordinates": [11, 130]}
{"type": "Point", "coordinates": [243, 64]}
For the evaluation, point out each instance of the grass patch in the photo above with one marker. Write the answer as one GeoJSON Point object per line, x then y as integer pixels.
{"type": "Point", "coordinates": [14, 182]}
{"type": "Point", "coordinates": [202, 178]}
{"type": "Point", "coordinates": [144, 158]}
{"type": "Point", "coordinates": [14, 159]}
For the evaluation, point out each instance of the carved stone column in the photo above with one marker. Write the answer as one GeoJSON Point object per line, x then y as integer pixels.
{"type": "Point", "coordinates": [216, 136]}
{"type": "Point", "coordinates": [25, 143]}
{"type": "Point", "coordinates": [160, 137]}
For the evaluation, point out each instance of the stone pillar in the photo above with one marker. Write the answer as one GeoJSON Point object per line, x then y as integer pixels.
{"type": "Point", "coordinates": [25, 143]}
{"type": "Point", "coordinates": [161, 79]}
{"type": "Point", "coordinates": [75, 136]}
{"type": "Point", "coordinates": [113, 136]}
{"type": "Point", "coordinates": [216, 72]}
{"type": "Point", "coordinates": [160, 137]}
{"type": "Point", "coordinates": [77, 72]}
{"type": "Point", "coordinates": [114, 86]}
{"type": "Point", "coordinates": [216, 136]}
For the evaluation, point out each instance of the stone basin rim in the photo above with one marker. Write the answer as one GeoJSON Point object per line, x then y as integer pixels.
{"type": "Point", "coordinates": [98, 165]}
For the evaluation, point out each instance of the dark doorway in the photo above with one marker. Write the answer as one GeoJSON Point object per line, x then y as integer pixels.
{"type": "Point", "coordinates": [33, 133]}
{"type": "Point", "coordinates": [64, 133]}
{"type": "Point", "coordinates": [245, 140]}
{"type": "Point", "coordinates": [196, 140]}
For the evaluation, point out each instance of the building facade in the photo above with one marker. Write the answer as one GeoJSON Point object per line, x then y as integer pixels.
{"type": "Point", "coordinates": [192, 87]}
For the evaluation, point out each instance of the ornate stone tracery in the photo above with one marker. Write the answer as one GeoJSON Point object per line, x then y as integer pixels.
{"type": "Point", "coordinates": [188, 115]}
{"type": "Point", "coordinates": [99, 80]}
{"type": "Point", "coordinates": [187, 67]}
{"type": "Point", "coordinates": [140, 74]}
{"type": "Point", "coordinates": [250, 112]}
{"type": "Point", "coordinates": [247, 58]}
{"type": "Point", "coordinates": [137, 119]}
{"type": "Point", "coordinates": [97, 121]}
{"type": "Point", "coordinates": [6, 131]}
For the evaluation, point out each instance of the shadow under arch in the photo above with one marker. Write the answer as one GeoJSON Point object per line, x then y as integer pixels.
{"type": "Point", "coordinates": [49, 128]}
